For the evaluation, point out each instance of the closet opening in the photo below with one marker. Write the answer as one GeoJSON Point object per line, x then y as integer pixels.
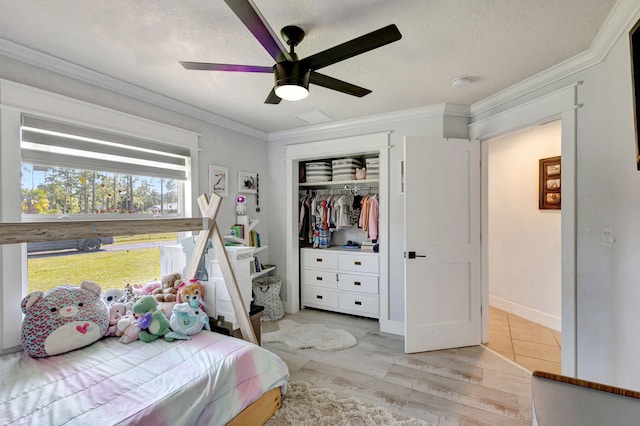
{"type": "Point", "coordinates": [333, 263]}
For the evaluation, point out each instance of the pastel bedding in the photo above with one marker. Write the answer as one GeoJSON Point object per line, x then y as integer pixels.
{"type": "Point", "coordinates": [206, 380]}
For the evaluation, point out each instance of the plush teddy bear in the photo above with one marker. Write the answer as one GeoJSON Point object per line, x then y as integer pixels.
{"type": "Point", "coordinates": [185, 321]}
{"type": "Point", "coordinates": [116, 311]}
{"type": "Point", "coordinates": [169, 288]}
{"type": "Point", "coordinates": [128, 328]}
{"type": "Point", "coordinates": [361, 174]}
{"type": "Point", "coordinates": [153, 322]}
{"type": "Point", "coordinates": [63, 319]}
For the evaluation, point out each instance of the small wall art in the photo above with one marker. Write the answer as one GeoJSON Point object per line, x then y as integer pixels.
{"type": "Point", "coordinates": [550, 184]}
{"type": "Point", "coordinates": [247, 182]}
{"type": "Point", "coordinates": [219, 180]}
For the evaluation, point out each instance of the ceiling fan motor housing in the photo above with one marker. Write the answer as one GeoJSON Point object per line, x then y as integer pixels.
{"type": "Point", "coordinates": [291, 73]}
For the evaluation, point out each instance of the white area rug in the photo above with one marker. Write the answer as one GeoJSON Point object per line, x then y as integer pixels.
{"type": "Point", "coordinates": [303, 336]}
{"type": "Point", "coordinates": [304, 405]}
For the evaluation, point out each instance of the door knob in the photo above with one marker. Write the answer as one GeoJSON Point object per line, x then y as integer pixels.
{"type": "Point", "coordinates": [413, 255]}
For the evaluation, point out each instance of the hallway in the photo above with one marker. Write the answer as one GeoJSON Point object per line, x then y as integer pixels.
{"type": "Point", "coordinates": [530, 345]}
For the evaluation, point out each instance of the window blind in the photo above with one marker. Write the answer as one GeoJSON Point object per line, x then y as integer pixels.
{"type": "Point", "coordinates": [56, 144]}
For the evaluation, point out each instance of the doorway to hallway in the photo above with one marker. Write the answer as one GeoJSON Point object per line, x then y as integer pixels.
{"type": "Point", "coordinates": [524, 268]}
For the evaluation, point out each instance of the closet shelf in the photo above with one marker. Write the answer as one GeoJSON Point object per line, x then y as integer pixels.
{"type": "Point", "coordinates": [263, 272]}
{"type": "Point", "coordinates": [361, 182]}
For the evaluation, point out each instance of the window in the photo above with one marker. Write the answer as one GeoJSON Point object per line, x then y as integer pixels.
{"type": "Point", "coordinates": [69, 170]}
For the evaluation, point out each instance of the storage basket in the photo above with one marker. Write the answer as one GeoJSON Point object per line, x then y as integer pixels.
{"type": "Point", "coordinates": [373, 167]}
{"type": "Point", "coordinates": [266, 292]}
{"type": "Point", "coordinates": [345, 168]}
{"type": "Point", "coordinates": [318, 171]}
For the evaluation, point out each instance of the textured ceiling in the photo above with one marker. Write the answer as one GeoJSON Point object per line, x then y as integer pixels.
{"type": "Point", "coordinates": [496, 42]}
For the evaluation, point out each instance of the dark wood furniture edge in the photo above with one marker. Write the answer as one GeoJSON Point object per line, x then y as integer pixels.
{"type": "Point", "coordinates": [587, 384]}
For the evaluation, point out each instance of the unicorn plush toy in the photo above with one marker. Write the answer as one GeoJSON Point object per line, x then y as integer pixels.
{"type": "Point", "coordinates": [186, 320]}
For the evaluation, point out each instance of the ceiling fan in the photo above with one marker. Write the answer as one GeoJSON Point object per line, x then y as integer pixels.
{"type": "Point", "coordinates": [293, 75]}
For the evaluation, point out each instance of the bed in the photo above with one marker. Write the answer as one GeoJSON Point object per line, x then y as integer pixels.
{"type": "Point", "coordinates": [211, 379]}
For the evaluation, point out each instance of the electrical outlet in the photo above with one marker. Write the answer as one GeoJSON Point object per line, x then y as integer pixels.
{"type": "Point", "coordinates": [607, 237]}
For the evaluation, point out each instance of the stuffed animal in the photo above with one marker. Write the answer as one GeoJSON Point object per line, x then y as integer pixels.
{"type": "Point", "coordinates": [191, 293]}
{"type": "Point", "coordinates": [63, 319]}
{"type": "Point", "coordinates": [169, 288]}
{"type": "Point", "coordinates": [128, 296]}
{"type": "Point", "coordinates": [186, 321]}
{"type": "Point", "coordinates": [128, 329]}
{"type": "Point", "coordinates": [112, 295]}
{"type": "Point", "coordinates": [153, 323]}
{"type": "Point", "coordinates": [116, 311]}
{"type": "Point", "coordinates": [361, 174]}
{"type": "Point", "coordinates": [147, 288]}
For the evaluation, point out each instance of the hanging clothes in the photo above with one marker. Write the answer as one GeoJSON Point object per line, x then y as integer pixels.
{"type": "Point", "coordinates": [374, 212]}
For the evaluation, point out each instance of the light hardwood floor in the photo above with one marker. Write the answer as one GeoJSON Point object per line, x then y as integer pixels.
{"type": "Point", "coordinates": [529, 344]}
{"type": "Point", "coordinates": [466, 386]}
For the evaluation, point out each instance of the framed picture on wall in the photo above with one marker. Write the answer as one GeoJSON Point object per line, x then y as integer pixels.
{"type": "Point", "coordinates": [247, 182]}
{"type": "Point", "coordinates": [550, 184]}
{"type": "Point", "coordinates": [219, 180]}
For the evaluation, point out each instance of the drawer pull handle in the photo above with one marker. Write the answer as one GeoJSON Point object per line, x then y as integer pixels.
{"type": "Point", "coordinates": [357, 302]}
{"type": "Point", "coordinates": [318, 296]}
{"type": "Point", "coordinates": [357, 263]}
{"type": "Point", "coordinates": [357, 283]}
{"type": "Point", "coordinates": [319, 259]}
{"type": "Point", "coordinates": [319, 278]}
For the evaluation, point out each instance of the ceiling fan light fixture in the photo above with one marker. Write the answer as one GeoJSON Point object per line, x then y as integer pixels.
{"type": "Point", "coordinates": [291, 92]}
{"type": "Point", "coordinates": [292, 83]}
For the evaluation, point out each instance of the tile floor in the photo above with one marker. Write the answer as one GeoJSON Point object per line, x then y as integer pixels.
{"type": "Point", "coordinates": [530, 345]}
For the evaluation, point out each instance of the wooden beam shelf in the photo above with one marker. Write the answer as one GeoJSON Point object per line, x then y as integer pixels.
{"type": "Point", "coordinates": [27, 232]}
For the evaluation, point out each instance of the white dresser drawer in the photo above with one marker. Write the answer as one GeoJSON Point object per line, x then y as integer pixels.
{"type": "Point", "coordinates": [318, 258]}
{"type": "Point", "coordinates": [358, 283]}
{"type": "Point", "coordinates": [319, 296]}
{"type": "Point", "coordinates": [319, 278]}
{"type": "Point", "coordinates": [358, 263]}
{"type": "Point", "coordinates": [362, 303]}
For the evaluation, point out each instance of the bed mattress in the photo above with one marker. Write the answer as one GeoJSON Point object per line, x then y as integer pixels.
{"type": "Point", "coordinates": [206, 380]}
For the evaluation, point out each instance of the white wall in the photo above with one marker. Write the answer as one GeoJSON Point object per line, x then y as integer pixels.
{"type": "Point", "coordinates": [607, 288]}
{"type": "Point", "coordinates": [608, 293]}
{"type": "Point", "coordinates": [524, 268]}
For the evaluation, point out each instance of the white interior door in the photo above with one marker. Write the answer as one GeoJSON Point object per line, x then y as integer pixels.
{"type": "Point", "coordinates": [442, 244]}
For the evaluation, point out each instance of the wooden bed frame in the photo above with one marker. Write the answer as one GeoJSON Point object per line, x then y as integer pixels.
{"type": "Point", "coordinates": [260, 410]}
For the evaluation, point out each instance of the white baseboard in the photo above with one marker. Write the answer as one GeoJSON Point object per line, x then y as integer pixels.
{"type": "Point", "coordinates": [392, 327]}
{"type": "Point", "coordinates": [527, 313]}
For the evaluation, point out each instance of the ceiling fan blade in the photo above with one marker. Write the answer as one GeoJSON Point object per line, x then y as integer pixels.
{"type": "Point", "coordinates": [272, 98]}
{"type": "Point", "coordinates": [354, 47]}
{"type": "Point", "coordinates": [251, 17]}
{"type": "Point", "coordinates": [207, 66]}
{"type": "Point", "coordinates": [339, 85]}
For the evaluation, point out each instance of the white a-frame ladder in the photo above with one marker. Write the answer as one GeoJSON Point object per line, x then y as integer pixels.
{"type": "Point", "coordinates": [209, 210]}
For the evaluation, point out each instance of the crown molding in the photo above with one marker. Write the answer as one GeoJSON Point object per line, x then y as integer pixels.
{"type": "Point", "coordinates": [619, 21]}
{"type": "Point", "coordinates": [68, 69]}
{"type": "Point", "coordinates": [358, 123]}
